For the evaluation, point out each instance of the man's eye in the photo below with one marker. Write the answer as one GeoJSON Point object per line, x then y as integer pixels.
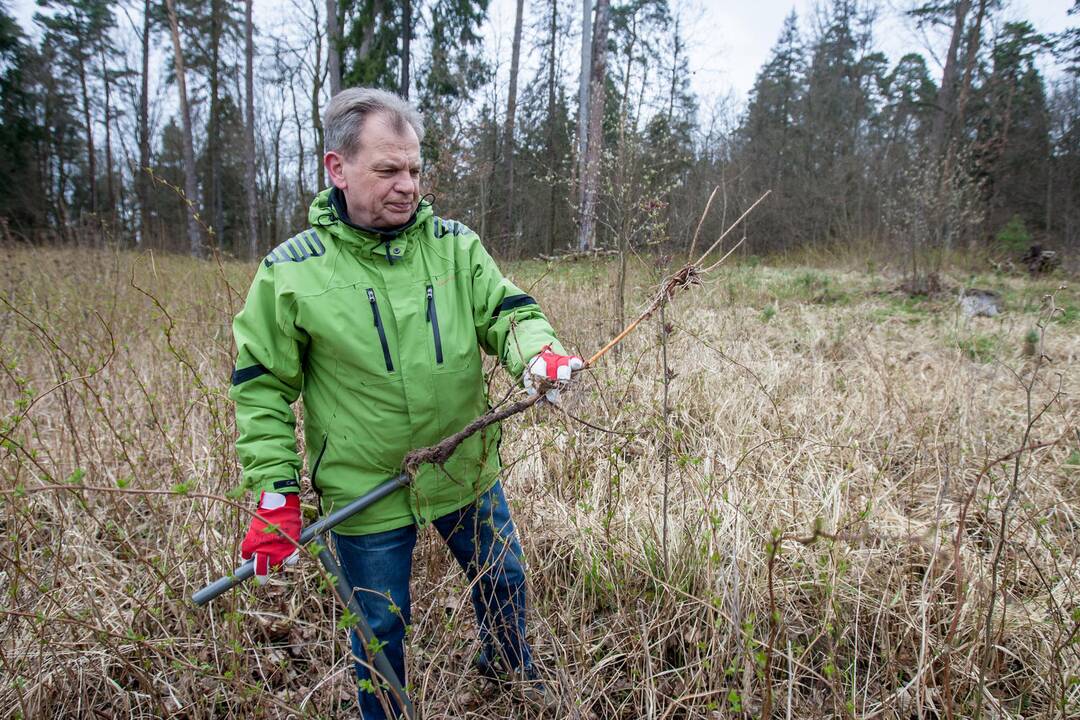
{"type": "Point", "coordinates": [415, 172]}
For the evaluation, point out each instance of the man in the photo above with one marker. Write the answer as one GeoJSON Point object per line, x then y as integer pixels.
{"type": "Point", "coordinates": [376, 315]}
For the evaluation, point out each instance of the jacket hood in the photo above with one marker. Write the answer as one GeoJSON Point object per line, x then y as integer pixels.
{"type": "Point", "coordinates": [328, 211]}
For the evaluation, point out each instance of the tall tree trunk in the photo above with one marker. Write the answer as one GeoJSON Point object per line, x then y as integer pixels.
{"type": "Point", "coordinates": [214, 202]}
{"type": "Point", "coordinates": [940, 131]}
{"type": "Point", "coordinates": [142, 179]}
{"type": "Point", "coordinates": [591, 179]}
{"type": "Point", "coordinates": [552, 158]}
{"type": "Point", "coordinates": [406, 45]}
{"type": "Point", "coordinates": [624, 111]}
{"type": "Point", "coordinates": [301, 192]}
{"type": "Point", "coordinates": [88, 128]}
{"type": "Point", "coordinates": [368, 38]}
{"type": "Point", "coordinates": [191, 190]}
{"type": "Point", "coordinates": [66, 231]}
{"type": "Point", "coordinates": [673, 87]}
{"type": "Point", "coordinates": [971, 53]}
{"type": "Point", "coordinates": [333, 47]}
{"type": "Point", "coordinates": [249, 130]}
{"type": "Point", "coordinates": [109, 189]}
{"type": "Point", "coordinates": [275, 179]}
{"type": "Point", "coordinates": [511, 111]}
{"type": "Point", "coordinates": [583, 92]}
{"type": "Point", "coordinates": [316, 118]}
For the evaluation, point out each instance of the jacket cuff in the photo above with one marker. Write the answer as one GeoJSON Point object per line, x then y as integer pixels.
{"type": "Point", "coordinates": [275, 483]}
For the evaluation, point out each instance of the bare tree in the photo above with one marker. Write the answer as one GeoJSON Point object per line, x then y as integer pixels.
{"type": "Point", "coordinates": [406, 44]}
{"type": "Point", "coordinates": [142, 179]}
{"type": "Point", "coordinates": [91, 155]}
{"type": "Point", "coordinates": [583, 86]}
{"type": "Point", "coordinates": [944, 112]}
{"type": "Point", "coordinates": [249, 130]}
{"type": "Point", "coordinates": [318, 78]}
{"type": "Point", "coordinates": [591, 177]}
{"type": "Point", "coordinates": [110, 189]}
{"type": "Point", "coordinates": [333, 47]}
{"type": "Point", "coordinates": [307, 58]}
{"type": "Point", "coordinates": [301, 191]}
{"type": "Point", "coordinates": [191, 190]}
{"type": "Point", "coordinates": [511, 109]}
{"type": "Point", "coordinates": [552, 82]}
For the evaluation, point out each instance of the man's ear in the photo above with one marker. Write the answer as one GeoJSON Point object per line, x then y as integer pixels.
{"type": "Point", "coordinates": [334, 165]}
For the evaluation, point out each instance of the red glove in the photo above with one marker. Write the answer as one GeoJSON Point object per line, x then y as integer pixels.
{"type": "Point", "coordinates": [271, 547]}
{"type": "Point", "coordinates": [552, 367]}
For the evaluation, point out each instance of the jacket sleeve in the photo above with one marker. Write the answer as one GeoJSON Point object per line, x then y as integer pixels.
{"type": "Point", "coordinates": [509, 323]}
{"type": "Point", "coordinates": [266, 381]}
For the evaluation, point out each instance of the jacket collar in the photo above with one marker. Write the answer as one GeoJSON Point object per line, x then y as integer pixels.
{"type": "Point", "coordinates": [329, 211]}
{"type": "Point", "coordinates": [337, 202]}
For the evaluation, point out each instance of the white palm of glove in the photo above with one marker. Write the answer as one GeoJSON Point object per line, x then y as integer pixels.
{"type": "Point", "coordinates": [550, 367]}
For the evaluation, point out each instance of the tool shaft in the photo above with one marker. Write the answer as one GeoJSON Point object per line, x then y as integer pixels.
{"type": "Point", "coordinates": [312, 531]}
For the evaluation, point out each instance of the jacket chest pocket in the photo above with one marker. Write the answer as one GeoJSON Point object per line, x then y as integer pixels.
{"type": "Point", "coordinates": [380, 329]}
{"type": "Point", "coordinates": [375, 348]}
{"type": "Point", "coordinates": [450, 337]}
{"type": "Point", "coordinates": [353, 336]}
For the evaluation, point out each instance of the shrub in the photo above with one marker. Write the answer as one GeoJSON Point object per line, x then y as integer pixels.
{"type": "Point", "coordinates": [1014, 237]}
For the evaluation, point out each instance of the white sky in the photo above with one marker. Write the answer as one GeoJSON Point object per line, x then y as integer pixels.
{"type": "Point", "coordinates": [729, 40]}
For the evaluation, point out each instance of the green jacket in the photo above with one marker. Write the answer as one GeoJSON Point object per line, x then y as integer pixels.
{"type": "Point", "coordinates": [381, 335]}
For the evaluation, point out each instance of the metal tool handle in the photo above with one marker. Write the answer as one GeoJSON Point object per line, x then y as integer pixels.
{"type": "Point", "coordinates": [320, 526]}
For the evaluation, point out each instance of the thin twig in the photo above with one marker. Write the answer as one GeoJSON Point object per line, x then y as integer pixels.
{"type": "Point", "coordinates": [731, 227]}
{"type": "Point", "coordinates": [693, 243]}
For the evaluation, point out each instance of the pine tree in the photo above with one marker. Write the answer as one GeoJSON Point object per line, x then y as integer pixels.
{"type": "Point", "coordinates": [371, 56]}
{"type": "Point", "coordinates": [1067, 43]}
{"type": "Point", "coordinates": [545, 149]}
{"type": "Point", "coordinates": [906, 116]}
{"type": "Point", "coordinates": [141, 173]}
{"type": "Point", "coordinates": [452, 73]}
{"type": "Point", "coordinates": [772, 143]}
{"type": "Point", "coordinates": [1012, 126]}
{"type": "Point", "coordinates": [1063, 211]}
{"type": "Point", "coordinates": [773, 126]}
{"type": "Point", "coordinates": [79, 30]}
{"type": "Point", "coordinates": [212, 29]}
{"type": "Point", "coordinates": [194, 231]}
{"type": "Point", "coordinates": [839, 106]}
{"type": "Point", "coordinates": [21, 138]}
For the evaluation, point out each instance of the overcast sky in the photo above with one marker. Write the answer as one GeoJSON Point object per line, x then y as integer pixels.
{"type": "Point", "coordinates": [729, 40]}
{"type": "Point", "coordinates": [735, 38]}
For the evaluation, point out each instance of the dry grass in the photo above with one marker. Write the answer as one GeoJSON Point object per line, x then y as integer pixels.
{"type": "Point", "coordinates": [846, 505]}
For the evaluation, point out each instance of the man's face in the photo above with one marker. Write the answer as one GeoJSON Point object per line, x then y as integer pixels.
{"type": "Point", "coordinates": [381, 181]}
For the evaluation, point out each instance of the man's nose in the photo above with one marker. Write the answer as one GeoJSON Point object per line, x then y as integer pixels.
{"type": "Point", "coordinates": [403, 182]}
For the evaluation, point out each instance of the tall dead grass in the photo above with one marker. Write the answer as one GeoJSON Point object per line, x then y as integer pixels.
{"type": "Point", "coordinates": [872, 507]}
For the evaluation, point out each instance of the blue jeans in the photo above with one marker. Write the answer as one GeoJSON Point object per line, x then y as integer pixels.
{"type": "Point", "coordinates": [481, 538]}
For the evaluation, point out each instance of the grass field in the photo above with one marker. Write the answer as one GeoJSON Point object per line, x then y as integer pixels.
{"type": "Point", "coordinates": [857, 505]}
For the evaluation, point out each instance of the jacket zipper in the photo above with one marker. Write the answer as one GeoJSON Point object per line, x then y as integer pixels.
{"type": "Point", "coordinates": [433, 318]}
{"type": "Point", "coordinates": [318, 462]}
{"type": "Point", "coordinates": [382, 332]}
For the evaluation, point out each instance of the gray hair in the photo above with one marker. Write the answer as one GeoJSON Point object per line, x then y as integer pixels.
{"type": "Point", "coordinates": [344, 117]}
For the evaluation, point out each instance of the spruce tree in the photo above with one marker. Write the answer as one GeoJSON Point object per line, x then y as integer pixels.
{"type": "Point", "coordinates": [21, 138]}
